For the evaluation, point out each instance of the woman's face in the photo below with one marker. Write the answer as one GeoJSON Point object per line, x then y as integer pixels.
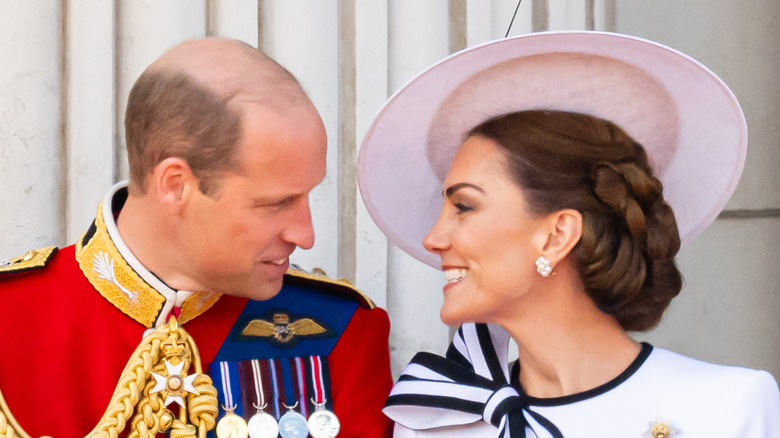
{"type": "Point", "coordinates": [487, 240]}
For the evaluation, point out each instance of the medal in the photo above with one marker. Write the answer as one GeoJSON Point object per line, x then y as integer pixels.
{"type": "Point", "coordinates": [292, 424]}
{"type": "Point", "coordinates": [323, 423]}
{"type": "Point", "coordinates": [231, 425]}
{"type": "Point", "coordinates": [262, 424]}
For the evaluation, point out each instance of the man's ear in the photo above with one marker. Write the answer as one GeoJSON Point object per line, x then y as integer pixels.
{"type": "Point", "coordinates": [173, 181]}
{"type": "Point", "coordinates": [564, 229]}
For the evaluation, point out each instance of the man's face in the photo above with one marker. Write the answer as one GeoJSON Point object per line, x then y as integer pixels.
{"type": "Point", "coordinates": [238, 240]}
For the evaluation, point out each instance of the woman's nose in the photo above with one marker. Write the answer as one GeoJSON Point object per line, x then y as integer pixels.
{"type": "Point", "coordinates": [436, 240]}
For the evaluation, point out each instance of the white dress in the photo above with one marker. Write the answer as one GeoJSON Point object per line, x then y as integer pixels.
{"type": "Point", "coordinates": [692, 398]}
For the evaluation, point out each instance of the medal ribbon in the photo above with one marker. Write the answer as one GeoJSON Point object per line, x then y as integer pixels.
{"type": "Point", "coordinates": [227, 394]}
{"type": "Point", "coordinates": [273, 364]}
{"type": "Point", "coordinates": [468, 385]}
{"type": "Point", "coordinates": [231, 387]}
{"type": "Point", "coordinates": [298, 367]}
{"type": "Point", "coordinates": [257, 377]}
{"type": "Point", "coordinates": [317, 381]}
{"type": "Point", "coordinates": [289, 394]}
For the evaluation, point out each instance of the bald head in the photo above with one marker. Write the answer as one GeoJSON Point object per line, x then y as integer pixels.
{"type": "Point", "coordinates": [189, 103]}
{"type": "Point", "coordinates": [233, 70]}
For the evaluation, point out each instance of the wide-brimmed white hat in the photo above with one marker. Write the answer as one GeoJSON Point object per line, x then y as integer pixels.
{"type": "Point", "coordinates": [686, 117]}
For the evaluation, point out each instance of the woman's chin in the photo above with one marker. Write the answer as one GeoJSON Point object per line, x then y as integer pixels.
{"type": "Point", "coordinates": [452, 317]}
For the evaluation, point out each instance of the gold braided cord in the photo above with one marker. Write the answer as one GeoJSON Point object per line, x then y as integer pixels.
{"type": "Point", "coordinates": [8, 425]}
{"type": "Point", "coordinates": [135, 402]}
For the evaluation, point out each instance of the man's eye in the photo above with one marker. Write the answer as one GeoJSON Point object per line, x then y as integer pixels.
{"type": "Point", "coordinates": [278, 205]}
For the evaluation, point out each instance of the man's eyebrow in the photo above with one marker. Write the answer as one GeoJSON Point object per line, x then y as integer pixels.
{"type": "Point", "coordinates": [455, 187]}
{"type": "Point", "coordinates": [273, 200]}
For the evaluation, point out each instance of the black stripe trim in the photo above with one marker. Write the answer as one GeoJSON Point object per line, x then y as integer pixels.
{"type": "Point", "coordinates": [489, 353]}
{"type": "Point", "coordinates": [436, 401]}
{"type": "Point", "coordinates": [118, 201]}
{"type": "Point", "coordinates": [505, 407]}
{"type": "Point", "coordinates": [573, 398]}
{"type": "Point", "coordinates": [547, 424]}
{"type": "Point", "coordinates": [88, 235]}
{"type": "Point", "coordinates": [461, 375]}
{"type": "Point", "coordinates": [455, 355]}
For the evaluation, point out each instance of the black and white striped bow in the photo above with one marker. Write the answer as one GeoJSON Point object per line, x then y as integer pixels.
{"type": "Point", "coordinates": [468, 385]}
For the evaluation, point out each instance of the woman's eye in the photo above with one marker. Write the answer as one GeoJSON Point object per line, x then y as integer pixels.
{"type": "Point", "coordinates": [462, 208]}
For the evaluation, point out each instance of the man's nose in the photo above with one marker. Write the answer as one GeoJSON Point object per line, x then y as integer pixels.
{"type": "Point", "coordinates": [299, 229]}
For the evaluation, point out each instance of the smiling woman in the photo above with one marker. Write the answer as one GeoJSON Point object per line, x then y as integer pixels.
{"type": "Point", "coordinates": [482, 236]}
{"type": "Point", "coordinates": [572, 168]}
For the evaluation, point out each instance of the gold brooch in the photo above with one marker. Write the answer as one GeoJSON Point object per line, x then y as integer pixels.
{"type": "Point", "coordinates": [660, 429]}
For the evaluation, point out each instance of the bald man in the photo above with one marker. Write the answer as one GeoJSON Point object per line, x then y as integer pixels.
{"type": "Point", "coordinates": [166, 314]}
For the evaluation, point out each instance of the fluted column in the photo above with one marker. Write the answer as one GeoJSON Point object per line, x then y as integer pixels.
{"type": "Point", "coordinates": [145, 30]}
{"type": "Point", "coordinates": [32, 191]}
{"type": "Point", "coordinates": [419, 37]}
{"type": "Point", "coordinates": [89, 111]}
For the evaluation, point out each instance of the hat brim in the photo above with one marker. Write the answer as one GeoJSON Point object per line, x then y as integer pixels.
{"type": "Point", "coordinates": [686, 117]}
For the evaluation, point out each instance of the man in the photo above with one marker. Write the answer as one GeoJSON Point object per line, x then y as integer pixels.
{"type": "Point", "coordinates": [224, 147]}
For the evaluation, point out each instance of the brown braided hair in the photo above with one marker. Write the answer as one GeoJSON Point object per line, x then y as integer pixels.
{"type": "Point", "coordinates": [625, 256]}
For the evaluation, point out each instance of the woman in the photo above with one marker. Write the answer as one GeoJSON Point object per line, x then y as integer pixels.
{"type": "Point", "coordinates": [555, 232]}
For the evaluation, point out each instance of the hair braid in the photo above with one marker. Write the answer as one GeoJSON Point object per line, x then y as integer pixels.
{"type": "Point", "coordinates": [636, 243]}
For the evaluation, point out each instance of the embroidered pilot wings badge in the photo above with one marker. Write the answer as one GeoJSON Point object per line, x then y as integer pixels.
{"type": "Point", "coordinates": [284, 329]}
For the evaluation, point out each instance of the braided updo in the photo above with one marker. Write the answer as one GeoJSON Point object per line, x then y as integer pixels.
{"type": "Point", "coordinates": [629, 237]}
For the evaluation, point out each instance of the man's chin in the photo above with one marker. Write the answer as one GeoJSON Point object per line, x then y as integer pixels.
{"type": "Point", "coordinates": [259, 288]}
{"type": "Point", "coordinates": [265, 290]}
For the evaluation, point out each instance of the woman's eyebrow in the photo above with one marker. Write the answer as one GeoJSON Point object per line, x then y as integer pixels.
{"type": "Point", "coordinates": [455, 187]}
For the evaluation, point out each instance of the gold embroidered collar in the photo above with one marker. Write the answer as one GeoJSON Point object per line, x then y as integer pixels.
{"type": "Point", "coordinates": [119, 277]}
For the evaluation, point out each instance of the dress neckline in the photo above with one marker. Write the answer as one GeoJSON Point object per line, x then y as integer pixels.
{"type": "Point", "coordinates": [644, 353]}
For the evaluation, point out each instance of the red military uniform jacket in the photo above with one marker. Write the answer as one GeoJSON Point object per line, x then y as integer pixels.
{"type": "Point", "coordinates": [71, 318]}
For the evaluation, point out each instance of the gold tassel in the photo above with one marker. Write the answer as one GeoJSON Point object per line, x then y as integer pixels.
{"type": "Point", "coordinates": [144, 388]}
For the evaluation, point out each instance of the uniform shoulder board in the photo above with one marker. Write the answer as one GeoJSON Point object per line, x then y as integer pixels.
{"type": "Point", "coordinates": [319, 279]}
{"type": "Point", "coordinates": [32, 259]}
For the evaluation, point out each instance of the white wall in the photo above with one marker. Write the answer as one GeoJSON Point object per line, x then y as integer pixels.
{"type": "Point", "coordinates": [729, 310]}
{"type": "Point", "coordinates": [67, 68]}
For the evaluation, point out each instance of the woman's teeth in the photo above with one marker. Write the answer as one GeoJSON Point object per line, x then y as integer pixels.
{"type": "Point", "coordinates": [453, 275]}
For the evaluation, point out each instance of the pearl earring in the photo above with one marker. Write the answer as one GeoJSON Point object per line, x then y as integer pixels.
{"type": "Point", "coordinates": [543, 266]}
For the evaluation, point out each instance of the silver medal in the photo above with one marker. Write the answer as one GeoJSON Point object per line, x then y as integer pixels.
{"type": "Point", "coordinates": [293, 425]}
{"type": "Point", "coordinates": [263, 425]}
{"type": "Point", "coordinates": [323, 424]}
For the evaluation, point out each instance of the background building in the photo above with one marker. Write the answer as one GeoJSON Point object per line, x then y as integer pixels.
{"type": "Point", "coordinates": [66, 68]}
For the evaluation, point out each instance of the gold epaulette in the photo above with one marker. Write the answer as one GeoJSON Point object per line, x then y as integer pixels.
{"type": "Point", "coordinates": [32, 259]}
{"type": "Point", "coordinates": [319, 279]}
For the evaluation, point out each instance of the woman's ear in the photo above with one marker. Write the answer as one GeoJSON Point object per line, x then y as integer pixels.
{"type": "Point", "coordinates": [173, 180]}
{"type": "Point", "coordinates": [564, 231]}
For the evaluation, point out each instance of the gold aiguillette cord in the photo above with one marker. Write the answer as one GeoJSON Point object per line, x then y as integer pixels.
{"type": "Point", "coordinates": [155, 377]}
